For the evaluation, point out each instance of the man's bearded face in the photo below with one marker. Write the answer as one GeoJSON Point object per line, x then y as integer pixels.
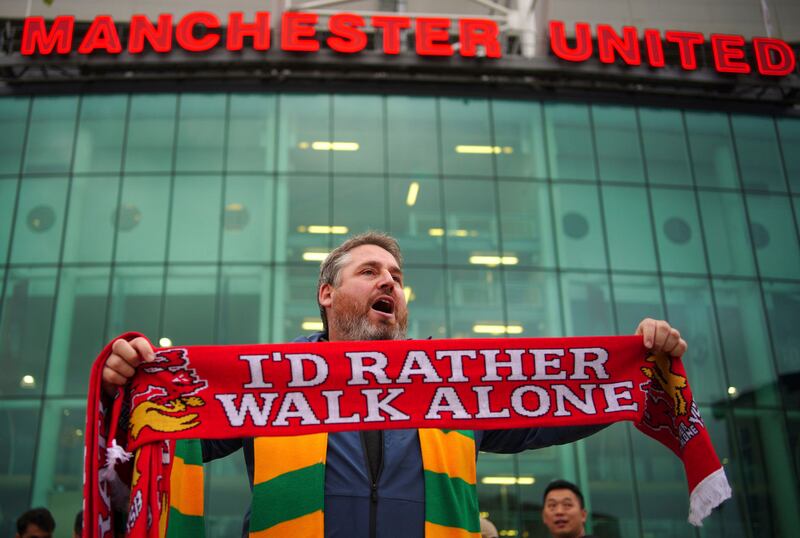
{"type": "Point", "coordinates": [368, 303]}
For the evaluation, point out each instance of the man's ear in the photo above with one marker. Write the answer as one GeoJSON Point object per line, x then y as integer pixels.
{"type": "Point", "coordinates": [325, 295]}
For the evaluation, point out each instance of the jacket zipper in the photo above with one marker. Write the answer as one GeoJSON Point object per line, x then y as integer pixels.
{"type": "Point", "coordinates": [373, 493]}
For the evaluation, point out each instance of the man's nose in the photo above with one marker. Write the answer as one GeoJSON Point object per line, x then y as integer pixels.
{"type": "Point", "coordinates": [386, 280]}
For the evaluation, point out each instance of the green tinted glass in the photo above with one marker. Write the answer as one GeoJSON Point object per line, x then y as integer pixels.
{"type": "Point", "coordinates": [190, 305]}
{"type": "Point", "coordinates": [425, 293]}
{"type": "Point", "coordinates": [630, 232]}
{"type": "Point", "coordinates": [248, 219]}
{"type": "Point", "coordinates": [533, 303]}
{"type": "Point", "coordinates": [680, 245]}
{"type": "Point", "coordinates": [302, 225]}
{"type": "Point", "coordinates": [774, 236]}
{"type": "Point", "coordinates": [713, 156]}
{"type": "Point", "coordinates": [587, 304]}
{"type": "Point", "coordinates": [245, 293]}
{"type": "Point", "coordinates": [570, 145]}
{"type": "Point", "coordinates": [91, 219]}
{"type": "Point", "coordinates": [39, 220]}
{"type": "Point", "coordinates": [665, 152]}
{"type": "Point", "coordinates": [251, 133]}
{"type": "Point", "coordinates": [415, 218]}
{"type": "Point", "coordinates": [467, 145]}
{"type": "Point", "coordinates": [580, 238]}
{"type": "Point", "coordinates": [519, 138]}
{"type": "Point", "coordinates": [14, 119]}
{"type": "Point", "coordinates": [101, 130]}
{"type": "Point", "coordinates": [136, 301]}
{"type": "Point", "coordinates": [358, 134]}
{"type": "Point", "coordinates": [412, 135]}
{"type": "Point", "coordinates": [201, 132]}
{"type": "Point", "coordinates": [8, 198]}
{"type": "Point", "coordinates": [471, 224]}
{"type": "Point", "coordinates": [789, 130]}
{"type": "Point", "coordinates": [526, 224]}
{"type": "Point", "coordinates": [359, 204]}
{"type": "Point", "coordinates": [759, 154]}
{"type": "Point", "coordinates": [476, 303]}
{"type": "Point", "coordinates": [304, 133]}
{"type": "Point", "coordinates": [195, 224]}
{"type": "Point", "coordinates": [727, 237]}
{"type": "Point", "coordinates": [619, 153]}
{"type": "Point", "coordinates": [51, 135]}
{"type": "Point", "coordinates": [151, 133]}
{"type": "Point", "coordinates": [635, 298]}
{"type": "Point", "coordinates": [142, 217]}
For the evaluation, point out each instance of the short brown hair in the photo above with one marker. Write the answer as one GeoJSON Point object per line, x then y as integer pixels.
{"type": "Point", "coordinates": [331, 268]}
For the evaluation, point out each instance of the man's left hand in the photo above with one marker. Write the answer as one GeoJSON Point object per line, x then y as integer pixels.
{"type": "Point", "coordinates": [661, 336]}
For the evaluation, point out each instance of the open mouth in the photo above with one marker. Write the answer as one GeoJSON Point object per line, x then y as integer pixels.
{"type": "Point", "coordinates": [384, 305]}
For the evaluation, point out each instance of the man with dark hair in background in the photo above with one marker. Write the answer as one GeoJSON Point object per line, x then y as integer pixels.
{"type": "Point", "coordinates": [563, 512]}
{"type": "Point", "coordinates": [36, 523]}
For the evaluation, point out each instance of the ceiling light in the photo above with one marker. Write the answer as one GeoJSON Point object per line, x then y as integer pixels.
{"type": "Point", "coordinates": [164, 342]}
{"type": "Point", "coordinates": [409, 293]}
{"type": "Point", "coordinates": [413, 191]}
{"type": "Point", "coordinates": [314, 256]}
{"type": "Point", "coordinates": [508, 480]}
{"type": "Point", "coordinates": [320, 229]}
{"type": "Point", "coordinates": [27, 382]}
{"type": "Point", "coordinates": [732, 391]}
{"type": "Point", "coordinates": [438, 232]}
{"type": "Point", "coordinates": [488, 328]}
{"type": "Point", "coordinates": [492, 261]}
{"type": "Point", "coordinates": [310, 324]}
{"type": "Point", "coordinates": [321, 145]}
{"type": "Point", "coordinates": [484, 150]}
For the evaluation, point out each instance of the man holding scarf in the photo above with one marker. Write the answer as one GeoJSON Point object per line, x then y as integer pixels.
{"type": "Point", "coordinates": [375, 482]}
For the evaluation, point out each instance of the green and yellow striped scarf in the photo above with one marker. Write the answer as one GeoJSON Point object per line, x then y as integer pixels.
{"type": "Point", "coordinates": [289, 486]}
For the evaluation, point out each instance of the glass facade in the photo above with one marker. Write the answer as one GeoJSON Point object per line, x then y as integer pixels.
{"type": "Point", "coordinates": [202, 218]}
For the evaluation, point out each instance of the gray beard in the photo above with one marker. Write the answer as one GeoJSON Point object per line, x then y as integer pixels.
{"type": "Point", "coordinates": [353, 327]}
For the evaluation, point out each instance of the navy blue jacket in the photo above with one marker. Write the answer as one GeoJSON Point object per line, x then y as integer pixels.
{"type": "Point", "coordinates": [400, 489]}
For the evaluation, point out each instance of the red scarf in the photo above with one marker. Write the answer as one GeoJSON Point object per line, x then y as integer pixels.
{"type": "Point", "coordinates": [213, 392]}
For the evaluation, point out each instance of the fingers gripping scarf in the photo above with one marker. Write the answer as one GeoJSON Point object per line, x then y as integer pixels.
{"type": "Point", "coordinates": [311, 389]}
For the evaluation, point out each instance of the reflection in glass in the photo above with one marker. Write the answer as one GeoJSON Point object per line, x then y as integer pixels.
{"type": "Point", "coordinates": [100, 133]}
{"type": "Point", "coordinates": [630, 233]}
{"type": "Point", "coordinates": [476, 304]}
{"type": "Point", "coordinates": [759, 155]}
{"type": "Point", "coordinates": [587, 304]}
{"type": "Point", "coordinates": [414, 211]}
{"type": "Point", "coordinates": [518, 125]}
{"type": "Point", "coordinates": [304, 119]}
{"type": "Point", "coordinates": [300, 203]}
{"type": "Point", "coordinates": [727, 234]}
{"type": "Point", "coordinates": [19, 422]}
{"type": "Point", "coordinates": [680, 245]}
{"type": "Point", "coordinates": [774, 236]}
{"type": "Point", "coordinates": [569, 141]}
{"type": "Point", "coordinates": [196, 214]}
{"type": "Point", "coordinates": [142, 219]}
{"type": "Point", "coordinates": [247, 219]}
{"type": "Point", "coordinates": [14, 119]}
{"type": "Point", "coordinates": [635, 298]}
{"type": "Point", "coordinates": [619, 152]}
{"type": "Point", "coordinates": [358, 119]}
{"type": "Point", "coordinates": [51, 135]}
{"type": "Point", "coordinates": [533, 302]}
{"type": "Point", "coordinates": [245, 293]}
{"type": "Point", "coordinates": [471, 225]}
{"type": "Point", "coordinates": [580, 237]}
{"type": "Point", "coordinates": [789, 132]}
{"type": "Point", "coordinates": [467, 146]}
{"type": "Point", "coordinates": [665, 146]}
{"type": "Point", "coordinates": [201, 133]}
{"type": "Point", "coordinates": [190, 305]}
{"type": "Point", "coordinates": [526, 224]}
{"type": "Point", "coordinates": [40, 217]}
{"type": "Point", "coordinates": [25, 330]}
{"type": "Point", "coordinates": [783, 310]}
{"type": "Point", "coordinates": [713, 156]}
{"type": "Point", "coordinates": [251, 133]}
{"type": "Point", "coordinates": [425, 295]}
{"type": "Point", "coordinates": [151, 133]}
{"type": "Point", "coordinates": [136, 301]}
{"type": "Point", "coordinates": [91, 219]}
{"type": "Point", "coordinates": [412, 140]}
{"type": "Point", "coordinates": [359, 204]}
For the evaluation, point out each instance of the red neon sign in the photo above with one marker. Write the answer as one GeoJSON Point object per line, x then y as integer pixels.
{"type": "Point", "coordinates": [348, 34]}
{"type": "Point", "coordinates": [773, 57]}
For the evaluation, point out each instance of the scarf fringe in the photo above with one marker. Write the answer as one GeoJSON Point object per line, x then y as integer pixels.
{"type": "Point", "coordinates": [707, 495]}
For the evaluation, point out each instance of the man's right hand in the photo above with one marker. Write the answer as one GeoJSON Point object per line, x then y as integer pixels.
{"type": "Point", "coordinates": [121, 364]}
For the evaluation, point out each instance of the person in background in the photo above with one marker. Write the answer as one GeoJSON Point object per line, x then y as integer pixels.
{"type": "Point", "coordinates": [77, 527]}
{"type": "Point", "coordinates": [563, 512]}
{"type": "Point", "coordinates": [36, 523]}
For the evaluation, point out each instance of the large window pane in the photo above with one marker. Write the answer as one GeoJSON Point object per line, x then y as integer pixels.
{"type": "Point", "coordinates": [526, 224]}
{"type": "Point", "coordinates": [151, 133]}
{"type": "Point", "coordinates": [25, 330]}
{"type": "Point", "coordinates": [635, 298]}
{"type": "Point", "coordinates": [611, 485]}
{"type": "Point", "coordinates": [580, 232]}
{"type": "Point", "coordinates": [51, 135]}
{"type": "Point", "coordinates": [201, 133]}
{"type": "Point", "coordinates": [358, 119]}
{"type": "Point", "coordinates": [251, 133]}
{"type": "Point", "coordinates": [774, 236]}
{"type": "Point", "coordinates": [759, 155]}
{"type": "Point", "coordinates": [91, 219]}
{"type": "Point", "coordinates": [195, 230]}
{"type": "Point", "coordinates": [713, 156]}
{"type": "Point", "coordinates": [39, 220]}
{"type": "Point", "coordinates": [680, 245]}
{"type": "Point", "coordinates": [14, 119]}
{"type": "Point", "coordinates": [425, 293]}
{"type": "Point", "coordinates": [533, 303]}
{"type": "Point", "coordinates": [247, 223]}
{"type": "Point", "coordinates": [745, 342]}
{"type": "Point", "coordinates": [412, 135]}
{"type": "Point", "coordinates": [630, 233]}
{"type": "Point", "coordinates": [295, 308]}
{"type": "Point", "coordinates": [783, 311]}
{"type": "Point", "coordinates": [304, 119]}
{"type": "Point", "coordinates": [8, 198]}
{"type": "Point", "coordinates": [569, 141]}
{"type": "Point", "coordinates": [359, 204]}
{"type": "Point", "coordinates": [471, 223]}
{"type": "Point", "coordinates": [415, 218]}
{"type": "Point", "coordinates": [665, 146]}
{"type": "Point", "coordinates": [225, 487]}
{"type": "Point", "coordinates": [142, 219]}
{"type": "Point", "coordinates": [19, 420]}
{"type": "Point", "coordinates": [100, 133]}
{"type": "Point", "coordinates": [587, 304]}
{"type": "Point", "coordinates": [78, 329]}
{"type": "Point", "coordinates": [690, 310]}
{"type": "Point", "coordinates": [789, 129]}
{"type": "Point", "coordinates": [245, 295]}
{"type": "Point", "coordinates": [301, 203]}
{"type": "Point", "coordinates": [727, 236]}
{"type": "Point", "coordinates": [619, 152]}
{"type": "Point", "coordinates": [190, 305]}
{"type": "Point", "coordinates": [135, 303]}
{"type": "Point", "coordinates": [518, 125]}
{"type": "Point", "coordinates": [467, 147]}
{"type": "Point", "coordinates": [476, 303]}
